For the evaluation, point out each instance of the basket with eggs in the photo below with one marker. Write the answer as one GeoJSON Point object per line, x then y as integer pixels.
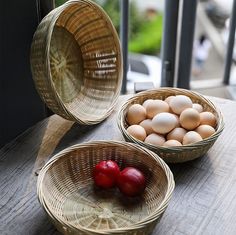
{"type": "Point", "coordinates": [177, 124]}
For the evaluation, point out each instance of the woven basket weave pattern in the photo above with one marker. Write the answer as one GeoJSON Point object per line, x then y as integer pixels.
{"type": "Point", "coordinates": [173, 154]}
{"type": "Point", "coordinates": [67, 192]}
{"type": "Point", "coordinates": [76, 62]}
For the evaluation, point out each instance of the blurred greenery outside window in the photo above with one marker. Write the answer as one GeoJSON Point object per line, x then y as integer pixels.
{"type": "Point", "coordinates": [145, 28]}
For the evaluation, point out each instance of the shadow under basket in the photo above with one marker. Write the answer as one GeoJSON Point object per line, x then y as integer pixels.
{"type": "Point", "coordinates": [66, 190]}
{"type": "Point", "coordinates": [173, 154]}
{"type": "Point", "coordinates": [76, 62]}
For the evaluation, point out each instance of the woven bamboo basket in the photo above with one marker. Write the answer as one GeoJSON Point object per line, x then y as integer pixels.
{"type": "Point", "coordinates": [66, 190]}
{"type": "Point", "coordinates": [173, 154]}
{"type": "Point", "coordinates": [76, 62]}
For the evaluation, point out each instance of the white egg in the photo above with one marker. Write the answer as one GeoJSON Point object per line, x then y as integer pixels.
{"type": "Point", "coordinates": [198, 107]}
{"type": "Point", "coordinates": [177, 120]}
{"type": "Point", "coordinates": [146, 102]}
{"type": "Point", "coordinates": [168, 99]}
{"type": "Point", "coordinates": [179, 103]}
{"type": "Point", "coordinates": [163, 123]}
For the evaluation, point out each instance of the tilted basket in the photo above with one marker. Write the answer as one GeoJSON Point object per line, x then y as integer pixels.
{"type": "Point", "coordinates": [76, 62]}
{"type": "Point", "coordinates": [66, 190]}
{"type": "Point", "coordinates": [173, 154]}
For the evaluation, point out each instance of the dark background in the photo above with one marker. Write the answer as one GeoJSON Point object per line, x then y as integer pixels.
{"type": "Point", "coordinates": [20, 104]}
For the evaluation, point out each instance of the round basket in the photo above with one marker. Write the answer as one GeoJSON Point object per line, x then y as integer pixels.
{"type": "Point", "coordinates": [173, 154]}
{"type": "Point", "coordinates": [66, 190]}
{"type": "Point", "coordinates": [76, 62]}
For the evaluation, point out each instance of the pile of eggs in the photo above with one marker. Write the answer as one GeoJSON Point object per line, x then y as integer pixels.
{"type": "Point", "coordinates": [175, 121]}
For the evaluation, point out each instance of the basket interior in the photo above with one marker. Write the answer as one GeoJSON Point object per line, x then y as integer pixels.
{"type": "Point", "coordinates": [69, 193]}
{"type": "Point", "coordinates": [85, 60]}
{"type": "Point", "coordinates": [162, 94]}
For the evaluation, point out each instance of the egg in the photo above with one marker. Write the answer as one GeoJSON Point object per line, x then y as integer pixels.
{"type": "Point", "coordinates": [189, 119]}
{"type": "Point", "coordinates": [208, 118]}
{"type": "Point", "coordinates": [198, 107]}
{"type": "Point", "coordinates": [147, 125]}
{"type": "Point", "coordinates": [177, 120]}
{"type": "Point", "coordinates": [136, 113]}
{"type": "Point", "coordinates": [156, 106]}
{"type": "Point", "coordinates": [155, 139]}
{"type": "Point", "coordinates": [163, 123]}
{"type": "Point", "coordinates": [168, 99]}
{"type": "Point", "coordinates": [137, 132]}
{"type": "Point", "coordinates": [176, 134]}
{"type": "Point", "coordinates": [191, 137]}
{"type": "Point", "coordinates": [179, 103]}
{"type": "Point", "coordinates": [172, 143]}
{"type": "Point", "coordinates": [205, 131]}
{"type": "Point", "coordinates": [145, 103]}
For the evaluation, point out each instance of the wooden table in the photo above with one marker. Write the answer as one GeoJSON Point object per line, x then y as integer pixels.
{"type": "Point", "coordinates": [204, 200]}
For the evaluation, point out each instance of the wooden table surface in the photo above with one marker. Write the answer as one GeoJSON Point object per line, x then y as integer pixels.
{"type": "Point", "coordinates": [204, 200]}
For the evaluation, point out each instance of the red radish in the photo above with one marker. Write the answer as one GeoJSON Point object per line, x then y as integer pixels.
{"type": "Point", "coordinates": [105, 174]}
{"type": "Point", "coordinates": [131, 182]}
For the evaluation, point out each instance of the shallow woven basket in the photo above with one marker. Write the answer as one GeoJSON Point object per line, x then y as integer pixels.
{"type": "Point", "coordinates": [173, 154]}
{"type": "Point", "coordinates": [76, 62]}
{"type": "Point", "coordinates": [66, 190]}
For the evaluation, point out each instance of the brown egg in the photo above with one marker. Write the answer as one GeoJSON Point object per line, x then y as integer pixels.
{"type": "Point", "coordinates": [155, 139]}
{"type": "Point", "coordinates": [208, 118]}
{"type": "Point", "coordinates": [136, 113]}
{"type": "Point", "coordinates": [179, 103]}
{"type": "Point", "coordinates": [168, 99]}
{"type": "Point", "coordinates": [205, 131]}
{"type": "Point", "coordinates": [145, 103]}
{"type": "Point", "coordinates": [172, 143]}
{"type": "Point", "coordinates": [191, 137]}
{"type": "Point", "coordinates": [155, 107]}
{"type": "Point", "coordinates": [163, 123]}
{"type": "Point", "coordinates": [137, 132]}
{"type": "Point", "coordinates": [198, 107]}
{"type": "Point", "coordinates": [176, 134]}
{"type": "Point", "coordinates": [189, 119]}
{"type": "Point", "coordinates": [147, 125]}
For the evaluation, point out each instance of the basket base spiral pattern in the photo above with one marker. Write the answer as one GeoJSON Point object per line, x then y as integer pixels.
{"type": "Point", "coordinates": [65, 59]}
{"type": "Point", "coordinates": [97, 209]}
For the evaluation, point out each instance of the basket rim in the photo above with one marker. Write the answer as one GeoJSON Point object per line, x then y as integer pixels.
{"type": "Point", "coordinates": [155, 215]}
{"type": "Point", "coordinates": [121, 119]}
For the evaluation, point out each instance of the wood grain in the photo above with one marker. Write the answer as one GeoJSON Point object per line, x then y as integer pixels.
{"type": "Point", "coordinates": [204, 197]}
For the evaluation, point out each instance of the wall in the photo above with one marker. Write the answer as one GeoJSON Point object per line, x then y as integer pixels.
{"type": "Point", "coordinates": [21, 106]}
